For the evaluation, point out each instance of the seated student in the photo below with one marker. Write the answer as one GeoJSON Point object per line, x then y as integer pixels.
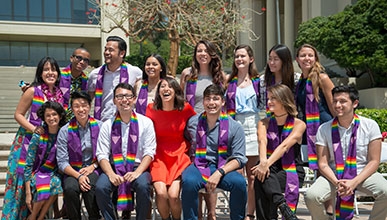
{"type": "Point", "coordinates": [348, 152]}
{"type": "Point", "coordinates": [126, 147]}
{"type": "Point", "coordinates": [42, 180]}
{"type": "Point", "coordinates": [77, 143]}
{"type": "Point", "coordinates": [280, 167]}
{"type": "Point", "coordinates": [219, 152]}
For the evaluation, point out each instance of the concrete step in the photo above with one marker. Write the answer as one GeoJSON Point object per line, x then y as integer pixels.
{"type": "Point", "coordinates": [3, 165]}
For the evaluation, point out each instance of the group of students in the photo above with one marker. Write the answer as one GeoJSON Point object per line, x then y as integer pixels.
{"type": "Point", "coordinates": [149, 130]}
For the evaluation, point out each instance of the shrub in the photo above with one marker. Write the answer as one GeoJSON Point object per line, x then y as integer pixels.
{"type": "Point", "coordinates": [380, 116]}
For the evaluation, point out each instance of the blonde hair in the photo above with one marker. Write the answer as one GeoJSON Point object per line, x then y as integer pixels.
{"type": "Point", "coordinates": [314, 73]}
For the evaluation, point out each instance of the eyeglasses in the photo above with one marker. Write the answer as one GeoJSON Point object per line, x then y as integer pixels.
{"type": "Point", "coordinates": [80, 58]}
{"type": "Point", "coordinates": [122, 96]}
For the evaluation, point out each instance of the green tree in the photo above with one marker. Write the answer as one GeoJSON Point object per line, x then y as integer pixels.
{"type": "Point", "coordinates": [184, 21]}
{"type": "Point", "coordinates": [355, 38]}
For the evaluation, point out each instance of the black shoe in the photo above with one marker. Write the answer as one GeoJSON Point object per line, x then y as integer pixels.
{"type": "Point", "coordinates": [286, 212]}
{"type": "Point", "coordinates": [126, 214]}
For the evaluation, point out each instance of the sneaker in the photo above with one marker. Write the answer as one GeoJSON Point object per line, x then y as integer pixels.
{"type": "Point", "coordinates": [286, 212]}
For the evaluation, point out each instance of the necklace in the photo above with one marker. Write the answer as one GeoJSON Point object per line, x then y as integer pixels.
{"type": "Point", "coordinates": [278, 116]}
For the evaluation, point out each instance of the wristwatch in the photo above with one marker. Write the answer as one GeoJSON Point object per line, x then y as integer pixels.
{"type": "Point", "coordinates": [95, 165]}
{"type": "Point", "coordinates": [221, 171]}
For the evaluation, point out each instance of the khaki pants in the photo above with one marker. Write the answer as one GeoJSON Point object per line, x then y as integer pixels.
{"type": "Point", "coordinates": [322, 190]}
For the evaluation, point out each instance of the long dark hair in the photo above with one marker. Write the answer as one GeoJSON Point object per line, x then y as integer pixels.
{"type": "Point", "coordinates": [159, 58]}
{"type": "Point", "coordinates": [179, 95]}
{"type": "Point", "coordinates": [287, 69]}
{"type": "Point", "coordinates": [38, 80]}
{"type": "Point", "coordinates": [215, 63]}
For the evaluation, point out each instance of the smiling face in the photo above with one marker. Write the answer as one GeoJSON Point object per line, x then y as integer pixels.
{"type": "Point", "coordinates": [124, 100]}
{"type": "Point", "coordinates": [81, 109]}
{"type": "Point", "coordinates": [80, 59]}
{"type": "Point", "coordinates": [274, 62]}
{"type": "Point", "coordinates": [213, 104]}
{"type": "Point", "coordinates": [49, 74]}
{"type": "Point", "coordinates": [153, 68]}
{"type": "Point", "coordinates": [51, 118]}
{"type": "Point", "coordinates": [242, 59]}
{"type": "Point", "coordinates": [275, 106]}
{"type": "Point", "coordinates": [112, 53]}
{"type": "Point", "coordinates": [306, 58]}
{"type": "Point", "coordinates": [202, 56]}
{"type": "Point", "coordinates": [166, 92]}
{"type": "Point", "coordinates": [343, 104]}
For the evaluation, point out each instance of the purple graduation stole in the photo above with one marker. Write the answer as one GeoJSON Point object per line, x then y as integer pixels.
{"type": "Point", "coordinates": [44, 167]}
{"type": "Point", "coordinates": [74, 142]}
{"type": "Point", "coordinates": [124, 78]}
{"type": "Point", "coordinates": [312, 113]}
{"type": "Point", "coordinates": [288, 159]}
{"type": "Point", "coordinates": [37, 101]}
{"type": "Point", "coordinates": [65, 84]}
{"type": "Point", "coordinates": [190, 90]}
{"type": "Point", "coordinates": [142, 99]}
{"type": "Point", "coordinates": [231, 93]}
{"type": "Point", "coordinates": [123, 165]}
{"type": "Point", "coordinates": [345, 170]}
{"type": "Point", "coordinates": [201, 146]}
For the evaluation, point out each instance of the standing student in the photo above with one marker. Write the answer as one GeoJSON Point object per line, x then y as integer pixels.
{"type": "Point", "coordinates": [42, 180]}
{"type": "Point", "coordinates": [348, 152]}
{"type": "Point", "coordinates": [242, 101]}
{"type": "Point", "coordinates": [313, 97]}
{"type": "Point", "coordinates": [45, 87]}
{"type": "Point", "coordinates": [103, 80]}
{"type": "Point", "coordinates": [170, 114]}
{"type": "Point", "coordinates": [155, 69]}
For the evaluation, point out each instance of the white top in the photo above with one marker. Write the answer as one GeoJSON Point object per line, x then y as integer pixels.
{"type": "Point", "coordinates": [110, 81]}
{"type": "Point", "coordinates": [368, 131]}
{"type": "Point", "coordinates": [146, 142]}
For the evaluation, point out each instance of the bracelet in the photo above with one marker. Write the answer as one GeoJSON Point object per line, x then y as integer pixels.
{"type": "Point", "coordinates": [79, 176]}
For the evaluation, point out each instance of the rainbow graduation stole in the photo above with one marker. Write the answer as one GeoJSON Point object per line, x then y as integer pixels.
{"type": "Point", "coordinates": [75, 145]}
{"type": "Point", "coordinates": [312, 113]}
{"type": "Point", "coordinates": [142, 100]}
{"type": "Point", "coordinates": [201, 147]}
{"type": "Point", "coordinates": [65, 84]}
{"type": "Point", "coordinates": [345, 170]}
{"type": "Point", "coordinates": [124, 78]}
{"type": "Point", "coordinates": [37, 101]}
{"type": "Point", "coordinates": [231, 93]}
{"type": "Point", "coordinates": [288, 159]}
{"type": "Point", "coordinates": [44, 167]}
{"type": "Point", "coordinates": [190, 90]}
{"type": "Point", "coordinates": [124, 164]}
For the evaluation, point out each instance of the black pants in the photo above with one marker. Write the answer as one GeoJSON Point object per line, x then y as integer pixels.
{"type": "Point", "coordinates": [72, 191]}
{"type": "Point", "coordinates": [269, 194]}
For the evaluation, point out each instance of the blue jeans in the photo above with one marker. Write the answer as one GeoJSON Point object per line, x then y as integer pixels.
{"type": "Point", "coordinates": [141, 186]}
{"type": "Point", "coordinates": [192, 182]}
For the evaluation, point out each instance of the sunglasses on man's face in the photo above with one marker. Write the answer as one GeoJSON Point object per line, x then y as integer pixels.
{"type": "Point", "coordinates": [80, 58]}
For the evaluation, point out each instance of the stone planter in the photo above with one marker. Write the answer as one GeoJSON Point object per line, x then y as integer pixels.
{"type": "Point", "coordinates": [373, 98]}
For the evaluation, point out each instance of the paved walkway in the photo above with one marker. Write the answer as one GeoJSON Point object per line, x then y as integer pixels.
{"type": "Point", "coordinates": [222, 214]}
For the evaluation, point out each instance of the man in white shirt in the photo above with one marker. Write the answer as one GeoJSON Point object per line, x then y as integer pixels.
{"type": "Point", "coordinates": [114, 71]}
{"type": "Point", "coordinates": [126, 146]}
{"type": "Point", "coordinates": [348, 151]}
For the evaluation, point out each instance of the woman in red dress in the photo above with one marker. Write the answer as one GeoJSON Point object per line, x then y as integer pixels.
{"type": "Point", "coordinates": [169, 113]}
